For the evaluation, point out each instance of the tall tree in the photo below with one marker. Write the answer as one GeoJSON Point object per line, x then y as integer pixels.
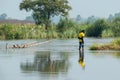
{"type": "Point", "coordinates": [43, 10]}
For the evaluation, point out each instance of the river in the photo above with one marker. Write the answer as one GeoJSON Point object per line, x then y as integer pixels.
{"type": "Point", "coordinates": [58, 60]}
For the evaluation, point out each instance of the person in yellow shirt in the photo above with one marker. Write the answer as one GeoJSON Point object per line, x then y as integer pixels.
{"type": "Point", "coordinates": [81, 48]}
{"type": "Point", "coordinates": [81, 40]}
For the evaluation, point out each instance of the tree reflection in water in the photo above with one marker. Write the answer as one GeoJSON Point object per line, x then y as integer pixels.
{"type": "Point", "coordinates": [45, 62]}
{"type": "Point", "coordinates": [115, 54]}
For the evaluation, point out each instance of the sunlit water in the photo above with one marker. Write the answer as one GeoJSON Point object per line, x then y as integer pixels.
{"type": "Point", "coordinates": [58, 60]}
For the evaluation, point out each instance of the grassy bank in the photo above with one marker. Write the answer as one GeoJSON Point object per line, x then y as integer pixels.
{"type": "Point", "coordinates": [114, 45]}
{"type": "Point", "coordinates": [26, 31]}
{"type": "Point", "coordinates": [31, 31]}
{"type": "Point", "coordinates": [65, 29]}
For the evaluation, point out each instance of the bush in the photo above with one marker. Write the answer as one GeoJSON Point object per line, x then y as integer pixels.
{"type": "Point", "coordinates": [95, 30]}
{"type": "Point", "coordinates": [116, 41]}
{"type": "Point", "coordinates": [107, 33]}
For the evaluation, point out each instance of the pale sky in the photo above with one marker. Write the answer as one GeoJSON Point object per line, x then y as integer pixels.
{"type": "Point", "coordinates": [85, 8]}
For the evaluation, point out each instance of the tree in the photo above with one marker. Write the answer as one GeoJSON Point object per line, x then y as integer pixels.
{"type": "Point", "coordinates": [3, 16]}
{"type": "Point", "coordinates": [43, 10]}
{"type": "Point", "coordinates": [95, 30]}
{"type": "Point", "coordinates": [115, 27]}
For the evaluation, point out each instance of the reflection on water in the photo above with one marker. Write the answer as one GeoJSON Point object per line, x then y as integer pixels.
{"type": "Point", "coordinates": [59, 60]}
{"type": "Point", "coordinates": [44, 61]}
{"type": "Point", "coordinates": [81, 59]}
{"type": "Point", "coordinates": [116, 54]}
{"type": "Point", "coordinates": [107, 52]}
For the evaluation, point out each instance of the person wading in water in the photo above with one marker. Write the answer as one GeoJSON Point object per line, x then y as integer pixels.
{"type": "Point", "coordinates": [81, 47]}
{"type": "Point", "coordinates": [81, 40]}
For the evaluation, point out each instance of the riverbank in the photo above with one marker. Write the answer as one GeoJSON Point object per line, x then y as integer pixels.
{"type": "Point", "coordinates": [31, 31]}
{"type": "Point", "coordinates": [114, 45]}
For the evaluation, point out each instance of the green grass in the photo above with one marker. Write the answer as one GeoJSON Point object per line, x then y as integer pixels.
{"type": "Point", "coordinates": [29, 31]}
{"type": "Point", "coordinates": [114, 45]}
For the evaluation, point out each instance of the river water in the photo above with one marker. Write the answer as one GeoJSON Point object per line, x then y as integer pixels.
{"type": "Point", "coordinates": [58, 60]}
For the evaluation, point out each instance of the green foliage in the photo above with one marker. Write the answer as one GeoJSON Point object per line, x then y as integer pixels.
{"type": "Point", "coordinates": [96, 29]}
{"type": "Point", "coordinates": [65, 29]}
{"type": "Point", "coordinates": [116, 41]}
{"type": "Point", "coordinates": [52, 32]}
{"type": "Point", "coordinates": [70, 33]}
{"type": "Point", "coordinates": [80, 27]}
{"type": "Point", "coordinates": [68, 28]}
{"type": "Point", "coordinates": [94, 46]}
{"type": "Point", "coordinates": [107, 33]}
{"type": "Point", "coordinates": [43, 10]}
{"type": "Point", "coordinates": [17, 31]}
{"type": "Point", "coordinates": [7, 31]}
{"type": "Point", "coordinates": [65, 24]}
{"type": "Point", "coordinates": [114, 45]}
{"type": "Point", "coordinates": [115, 27]}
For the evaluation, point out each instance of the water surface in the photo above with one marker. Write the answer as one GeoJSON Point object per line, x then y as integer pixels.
{"type": "Point", "coordinates": [58, 60]}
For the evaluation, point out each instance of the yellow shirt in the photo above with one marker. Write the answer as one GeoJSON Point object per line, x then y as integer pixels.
{"type": "Point", "coordinates": [81, 35]}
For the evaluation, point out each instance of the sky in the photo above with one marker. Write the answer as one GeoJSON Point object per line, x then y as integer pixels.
{"type": "Point", "coordinates": [84, 8]}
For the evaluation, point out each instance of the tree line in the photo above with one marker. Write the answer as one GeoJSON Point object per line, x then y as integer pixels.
{"type": "Point", "coordinates": [66, 28]}
{"type": "Point", "coordinates": [44, 10]}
